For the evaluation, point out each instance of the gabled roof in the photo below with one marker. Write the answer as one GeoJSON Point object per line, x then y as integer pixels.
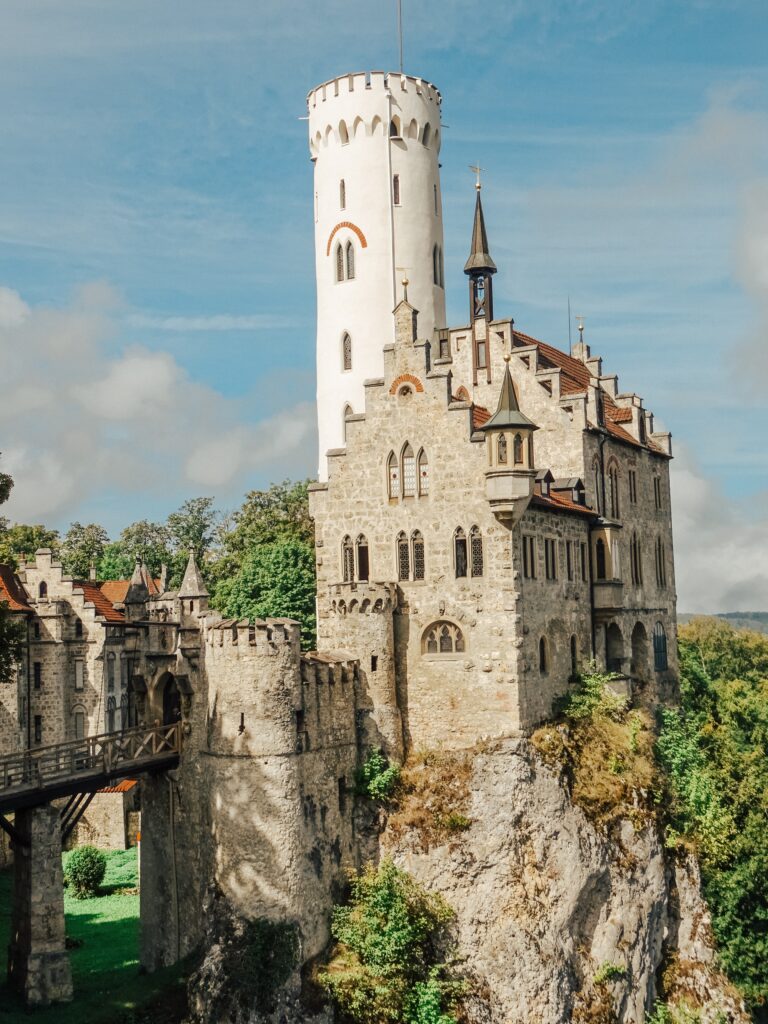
{"type": "Point", "coordinates": [11, 590]}
{"type": "Point", "coordinates": [116, 590]}
{"type": "Point", "coordinates": [92, 592]}
{"type": "Point", "coordinates": [556, 501]}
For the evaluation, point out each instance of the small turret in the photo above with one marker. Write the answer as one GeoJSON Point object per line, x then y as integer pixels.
{"type": "Point", "coordinates": [192, 593]}
{"type": "Point", "coordinates": [138, 594]}
{"type": "Point", "coordinates": [479, 267]}
{"type": "Point", "coordinates": [510, 476]}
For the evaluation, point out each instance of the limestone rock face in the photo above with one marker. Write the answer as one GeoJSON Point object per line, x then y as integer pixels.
{"type": "Point", "coordinates": [544, 902]}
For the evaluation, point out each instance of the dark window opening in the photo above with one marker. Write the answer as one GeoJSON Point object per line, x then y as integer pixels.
{"type": "Point", "coordinates": [600, 559]}
{"type": "Point", "coordinates": [38, 728]}
{"type": "Point", "coordinates": [37, 670]}
{"type": "Point", "coordinates": [460, 552]}
{"type": "Point", "coordinates": [374, 662]}
{"type": "Point", "coordinates": [362, 559]}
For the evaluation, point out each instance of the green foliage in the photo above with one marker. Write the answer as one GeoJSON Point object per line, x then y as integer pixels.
{"type": "Point", "coordinates": [608, 972]}
{"type": "Point", "coordinates": [84, 871]}
{"type": "Point", "coordinates": [592, 698]}
{"type": "Point", "coordinates": [681, 1013]}
{"type": "Point", "coordinates": [376, 778]}
{"type": "Point", "coordinates": [81, 547]}
{"type": "Point", "coordinates": [387, 965]}
{"type": "Point", "coordinates": [12, 636]}
{"type": "Point", "coordinates": [275, 581]}
{"type": "Point", "coordinates": [22, 541]}
{"type": "Point", "coordinates": [713, 750]}
{"type": "Point", "coordinates": [279, 513]}
{"type": "Point", "coordinates": [151, 542]}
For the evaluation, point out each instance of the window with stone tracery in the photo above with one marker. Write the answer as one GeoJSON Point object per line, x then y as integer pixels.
{"type": "Point", "coordinates": [393, 476]}
{"type": "Point", "coordinates": [501, 449]}
{"type": "Point", "coordinates": [409, 472]}
{"type": "Point", "coordinates": [442, 638]}
{"type": "Point", "coordinates": [350, 261]}
{"type": "Point", "coordinates": [476, 551]}
{"type": "Point", "coordinates": [347, 560]}
{"type": "Point", "coordinates": [417, 544]}
{"type": "Point", "coordinates": [339, 263]}
{"type": "Point", "coordinates": [517, 446]}
{"type": "Point", "coordinates": [460, 553]}
{"type": "Point", "coordinates": [423, 474]}
{"type": "Point", "coordinates": [403, 558]}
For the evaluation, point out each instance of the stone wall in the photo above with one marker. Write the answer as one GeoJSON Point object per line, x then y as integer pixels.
{"type": "Point", "coordinates": [104, 823]}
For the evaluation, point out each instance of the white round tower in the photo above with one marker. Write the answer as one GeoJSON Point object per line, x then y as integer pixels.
{"type": "Point", "coordinates": [375, 142]}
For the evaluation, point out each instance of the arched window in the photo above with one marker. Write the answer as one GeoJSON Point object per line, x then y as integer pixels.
{"type": "Point", "coordinates": [393, 476]}
{"type": "Point", "coordinates": [394, 128]}
{"type": "Point", "coordinates": [460, 553]}
{"type": "Point", "coordinates": [476, 551]}
{"type": "Point", "coordinates": [423, 474]}
{"type": "Point", "coordinates": [339, 263]}
{"type": "Point", "coordinates": [350, 261]}
{"type": "Point", "coordinates": [42, 590]}
{"type": "Point", "coordinates": [409, 472]}
{"type": "Point", "coordinates": [613, 491]}
{"type": "Point", "coordinates": [442, 638]}
{"type": "Point", "coordinates": [346, 351]}
{"type": "Point", "coordinates": [344, 417]}
{"type": "Point", "coordinates": [659, 648]}
{"type": "Point", "coordinates": [417, 546]}
{"type": "Point", "coordinates": [517, 448]}
{"type": "Point", "coordinates": [347, 560]}
{"type": "Point", "coordinates": [110, 673]}
{"type": "Point", "coordinates": [435, 265]}
{"type": "Point", "coordinates": [543, 656]}
{"type": "Point", "coordinates": [615, 560]}
{"type": "Point", "coordinates": [501, 449]}
{"type": "Point", "coordinates": [403, 558]}
{"type": "Point", "coordinates": [343, 133]}
{"type": "Point", "coordinates": [574, 658]}
{"type": "Point", "coordinates": [427, 133]}
{"type": "Point", "coordinates": [636, 560]}
{"type": "Point", "coordinates": [111, 708]}
{"type": "Point", "coordinates": [363, 568]}
{"type": "Point", "coordinates": [661, 563]}
{"type": "Point", "coordinates": [342, 195]}
{"type": "Point", "coordinates": [600, 569]}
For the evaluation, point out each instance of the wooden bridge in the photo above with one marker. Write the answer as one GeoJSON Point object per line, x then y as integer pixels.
{"type": "Point", "coordinates": [37, 776]}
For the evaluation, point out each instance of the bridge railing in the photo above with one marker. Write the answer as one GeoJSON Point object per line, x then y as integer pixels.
{"type": "Point", "coordinates": [104, 754]}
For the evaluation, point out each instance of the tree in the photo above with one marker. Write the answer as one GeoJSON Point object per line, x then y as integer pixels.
{"type": "Point", "coordinates": [22, 541]}
{"type": "Point", "coordinates": [275, 581]}
{"type": "Point", "coordinates": [82, 546]}
{"type": "Point", "coordinates": [280, 512]}
{"type": "Point", "coordinates": [149, 541]}
{"type": "Point", "coordinates": [191, 526]}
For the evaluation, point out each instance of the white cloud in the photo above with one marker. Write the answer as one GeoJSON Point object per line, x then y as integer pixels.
{"type": "Point", "coordinates": [721, 545]}
{"type": "Point", "coordinates": [80, 421]}
{"type": "Point", "coordinates": [220, 322]}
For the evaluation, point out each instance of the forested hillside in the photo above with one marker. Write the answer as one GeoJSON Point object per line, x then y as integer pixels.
{"type": "Point", "coordinates": [714, 751]}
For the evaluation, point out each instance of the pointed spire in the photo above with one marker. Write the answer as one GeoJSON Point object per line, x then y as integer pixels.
{"type": "Point", "coordinates": [479, 257]}
{"type": "Point", "coordinates": [137, 590]}
{"type": "Point", "coordinates": [508, 411]}
{"type": "Point", "coordinates": [192, 585]}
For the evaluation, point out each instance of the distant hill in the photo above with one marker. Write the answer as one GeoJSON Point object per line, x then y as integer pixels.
{"type": "Point", "coordinates": [757, 621]}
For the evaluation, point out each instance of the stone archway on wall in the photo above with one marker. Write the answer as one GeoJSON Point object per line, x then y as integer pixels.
{"type": "Point", "coordinates": [640, 666]}
{"type": "Point", "coordinates": [614, 648]}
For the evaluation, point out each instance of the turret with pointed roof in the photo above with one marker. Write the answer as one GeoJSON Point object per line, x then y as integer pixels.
{"type": "Point", "coordinates": [480, 269]}
{"type": "Point", "coordinates": [510, 475]}
{"type": "Point", "coordinates": [192, 585]}
{"type": "Point", "coordinates": [479, 257]}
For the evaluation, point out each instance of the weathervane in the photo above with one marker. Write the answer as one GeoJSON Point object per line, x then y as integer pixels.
{"type": "Point", "coordinates": [580, 325]}
{"type": "Point", "coordinates": [477, 169]}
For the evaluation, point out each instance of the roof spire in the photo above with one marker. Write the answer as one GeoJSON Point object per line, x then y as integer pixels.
{"type": "Point", "coordinates": [507, 411]}
{"type": "Point", "coordinates": [192, 585]}
{"type": "Point", "coordinates": [137, 590]}
{"type": "Point", "coordinates": [479, 257]}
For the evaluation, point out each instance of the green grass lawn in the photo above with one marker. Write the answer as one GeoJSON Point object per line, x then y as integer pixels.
{"type": "Point", "coordinates": [105, 969]}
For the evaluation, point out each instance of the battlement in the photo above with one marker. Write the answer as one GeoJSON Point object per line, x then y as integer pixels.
{"type": "Point", "coordinates": [263, 636]}
{"type": "Point", "coordinates": [361, 598]}
{"type": "Point", "coordinates": [328, 669]}
{"type": "Point", "coordinates": [358, 105]}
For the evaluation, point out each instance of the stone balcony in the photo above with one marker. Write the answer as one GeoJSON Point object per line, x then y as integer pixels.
{"type": "Point", "coordinates": [509, 492]}
{"type": "Point", "coordinates": [607, 596]}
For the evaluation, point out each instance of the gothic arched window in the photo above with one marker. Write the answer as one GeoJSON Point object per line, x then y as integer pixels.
{"type": "Point", "coordinates": [417, 546]}
{"type": "Point", "coordinates": [403, 558]}
{"type": "Point", "coordinates": [423, 474]}
{"type": "Point", "coordinates": [42, 590]}
{"type": "Point", "coordinates": [350, 261]}
{"type": "Point", "coordinates": [409, 472]}
{"type": "Point", "coordinates": [460, 553]}
{"type": "Point", "coordinates": [344, 417]}
{"type": "Point", "coordinates": [613, 491]}
{"type": "Point", "coordinates": [347, 560]}
{"type": "Point", "coordinates": [501, 449]}
{"type": "Point", "coordinates": [442, 638]}
{"type": "Point", "coordinates": [339, 263]}
{"type": "Point", "coordinates": [393, 476]}
{"type": "Point", "coordinates": [427, 133]}
{"type": "Point", "coordinates": [346, 351]}
{"type": "Point", "coordinates": [476, 551]}
{"type": "Point", "coordinates": [363, 566]}
{"type": "Point", "coordinates": [517, 447]}
{"type": "Point", "coordinates": [659, 648]}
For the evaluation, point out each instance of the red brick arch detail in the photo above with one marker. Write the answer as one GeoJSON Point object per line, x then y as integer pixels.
{"type": "Point", "coordinates": [352, 227]}
{"type": "Point", "coordinates": [406, 378]}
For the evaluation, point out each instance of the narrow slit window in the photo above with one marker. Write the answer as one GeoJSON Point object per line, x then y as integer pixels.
{"type": "Point", "coordinates": [396, 189]}
{"type": "Point", "coordinates": [347, 560]}
{"type": "Point", "coordinates": [342, 195]}
{"type": "Point", "coordinates": [363, 568]}
{"type": "Point", "coordinates": [350, 261]}
{"type": "Point", "coordinates": [339, 263]}
{"type": "Point", "coordinates": [460, 553]}
{"type": "Point", "coordinates": [423, 474]}
{"type": "Point", "coordinates": [346, 352]}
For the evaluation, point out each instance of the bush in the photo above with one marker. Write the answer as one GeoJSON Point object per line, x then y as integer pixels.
{"type": "Point", "coordinates": [85, 871]}
{"type": "Point", "coordinates": [433, 796]}
{"type": "Point", "coordinates": [608, 972]}
{"type": "Point", "coordinates": [386, 967]}
{"type": "Point", "coordinates": [376, 778]}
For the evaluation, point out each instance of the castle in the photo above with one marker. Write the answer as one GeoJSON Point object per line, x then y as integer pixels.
{"type": "Point", "coordinates": [491, 514]}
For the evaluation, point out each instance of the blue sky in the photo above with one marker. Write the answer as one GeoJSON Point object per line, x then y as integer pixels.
{"type": "Point", "coordinates": [156, 260]}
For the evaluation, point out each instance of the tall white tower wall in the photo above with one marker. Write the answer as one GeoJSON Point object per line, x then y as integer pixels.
{"type": "Point", "coordinates": [351, 140]}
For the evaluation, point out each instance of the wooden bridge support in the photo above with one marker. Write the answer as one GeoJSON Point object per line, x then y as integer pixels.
{"type": "Point", "coordinates": [38, 964]}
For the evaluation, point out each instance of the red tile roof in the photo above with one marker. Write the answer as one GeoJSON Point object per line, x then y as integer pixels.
{"type": "Point", "coordinates": [103, 605]}
{"type": "Point", "coordinates": [115, 590]}
{"type": "Point", "coordinates": [480, 415]}
{"type": "Point", "coordinates": [11, 590]}
{"type": "Point", "coordinates": [558, 502]}
{"type": "Point", "coordinates": [122, 787]}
